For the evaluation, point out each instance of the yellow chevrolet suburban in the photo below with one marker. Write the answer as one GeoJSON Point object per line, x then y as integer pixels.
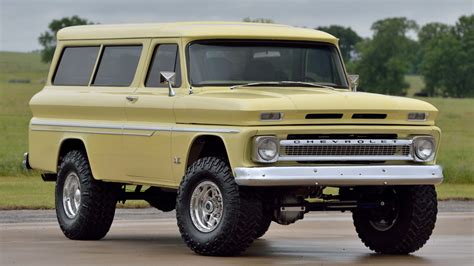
{"type": "Point", "coordinates": [234, 125]}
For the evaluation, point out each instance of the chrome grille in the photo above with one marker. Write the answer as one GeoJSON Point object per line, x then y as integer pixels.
{"type": "Point", "coordinates": [345, 150]}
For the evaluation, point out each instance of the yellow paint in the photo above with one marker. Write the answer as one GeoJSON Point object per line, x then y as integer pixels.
{"type": "Point", "coordinates": [147, 156]}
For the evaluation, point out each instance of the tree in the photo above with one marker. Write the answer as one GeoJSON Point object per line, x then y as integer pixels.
{"type": "Point", "coordinates": [258, 20]}
{"type": "Point", "coordinates": [386, 58]}
{"type": "Point", "coordinates": [447, 53]}
{"type": "Point", "coordinates": [48, 38]}
{"type": "Point", "coordinates": [430, 37]}
{"type": "Point", "coordinates": [347, 39]}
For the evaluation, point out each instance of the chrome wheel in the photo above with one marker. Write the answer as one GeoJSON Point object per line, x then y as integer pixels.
{"type": "Point", "coordinates": [71, 195]}
{"type": "Point", "coordinates": [206, 206]}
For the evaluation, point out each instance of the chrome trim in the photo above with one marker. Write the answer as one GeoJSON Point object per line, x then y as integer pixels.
{"type": "Point", "coordinates": [340, 175]}
{"type": "Point", "coordinates": [418, 120]}
{"type": "Point", "coordinates": [39, 122]}
{"type": "Point", "coordinates": [415, 153]}
{"type": "Point", "coordinates": [285, 158]}
{"type": "Point", "coordinates": [206, 130]}
{"type": "Point", "coordinates": [326, 142]}
{"type": "Point", "coordinates": [131, 98]}
{"type": "Point", "coordinates": [93, 132]}
{"type": "Point", "coordinates": [271, 120]}
{"type": "Point", "coordinates": [50, 123]}
{"type": "Point", "coordinates": [206, 206]}
{"type": "Point", "coordinates": [346, 142]}
{"type": "Point", "coordinates": [26, 161]}
{"type": "Point", "coordinates": [256, 156]}
{"type": "Point", "coordinates": [168, 77]}
{"type": "Point", "coordinates": [72, 195]}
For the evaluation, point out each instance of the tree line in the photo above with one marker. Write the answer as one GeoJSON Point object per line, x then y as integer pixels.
{"type": "Point", "coordinates": [442, 54]}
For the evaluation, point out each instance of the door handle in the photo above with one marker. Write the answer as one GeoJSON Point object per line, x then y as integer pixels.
{"type": "Point", "coordinates": [131, 98]}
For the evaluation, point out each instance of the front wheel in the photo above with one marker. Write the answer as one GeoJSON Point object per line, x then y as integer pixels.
{"type": "Point", "coordinates": [402, 223]}
{"type": "Point", "coordinates": [215, 216]}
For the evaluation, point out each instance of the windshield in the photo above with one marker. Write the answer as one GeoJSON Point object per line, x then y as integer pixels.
{"type": "Point", "coordinates": [240, 62]}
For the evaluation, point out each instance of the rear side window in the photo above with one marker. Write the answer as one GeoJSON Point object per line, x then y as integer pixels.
{"type": "Point", "coordinates": [165, 58]}
{"type": "Point", "coordinates": [117, 66]}
{"type": "Point", "coordinates": [76, 65]}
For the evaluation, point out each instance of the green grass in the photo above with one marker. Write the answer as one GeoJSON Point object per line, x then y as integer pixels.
{"type": "Point", "coordinates": [14, 111]}
{"type": "Point", "coordinates": [416, 84]}
{"type": "Point", "coordinates": [455, 119]}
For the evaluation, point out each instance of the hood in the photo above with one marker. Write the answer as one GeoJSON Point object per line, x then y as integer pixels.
{"type": "Point", "coordinates": [300, 106]}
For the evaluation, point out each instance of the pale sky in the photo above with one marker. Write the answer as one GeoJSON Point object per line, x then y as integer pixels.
{"type": "Point", "coordinates": [22, 21]}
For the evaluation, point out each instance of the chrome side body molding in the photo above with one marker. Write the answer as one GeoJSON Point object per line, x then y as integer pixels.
{"type": "Point", "coordinates": [88, 127]}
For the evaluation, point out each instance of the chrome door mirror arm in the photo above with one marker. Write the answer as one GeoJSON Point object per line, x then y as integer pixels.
{"type": "Point", "coordinates": [168, 77]}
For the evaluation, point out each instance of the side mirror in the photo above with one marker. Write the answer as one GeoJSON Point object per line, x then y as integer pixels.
{"type": "Point", "coordinates": [354, 81]}
{"type": "Point", "coordinates": [168, 77]}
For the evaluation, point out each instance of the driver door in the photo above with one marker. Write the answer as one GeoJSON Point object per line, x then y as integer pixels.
{"type": "Point", "coordinates": [149, 112]}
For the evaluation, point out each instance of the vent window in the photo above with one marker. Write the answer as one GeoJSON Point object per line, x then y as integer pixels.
{"type": "Point", "coordinates": [165, 58]}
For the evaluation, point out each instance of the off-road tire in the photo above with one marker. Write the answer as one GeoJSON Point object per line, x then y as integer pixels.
{"type": "Point", "coordinates": [242, 210]}
{"type": "Point", "coordinates": [98, 199]}
{"type": "Point", "coordinates": [264, 224]}
{"type": "Point", "coordinates": [413, 227]}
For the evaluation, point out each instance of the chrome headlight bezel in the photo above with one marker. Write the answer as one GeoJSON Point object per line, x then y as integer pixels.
{"type": "Point", "coordinates": [258, 154]}
{"type": "Point", "coordinates": [418, 142]}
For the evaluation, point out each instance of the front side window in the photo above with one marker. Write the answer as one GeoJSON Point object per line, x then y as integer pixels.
{"type": "Point", "coordinates": [240, 62]}
{"type": "Point", "coordinates": [76, 65]}
{"type": "Point", "coordinates": [165, 58]}
{"type": "Point", "coordinates": [117, 65]}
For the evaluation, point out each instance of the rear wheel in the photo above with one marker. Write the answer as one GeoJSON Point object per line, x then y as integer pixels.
{"type": "Point", "coordinates": [215, 216]}
{"type": "Point", "coordinates": [403, 222]}
{"type": "Point", "coordinates": [85, 207]}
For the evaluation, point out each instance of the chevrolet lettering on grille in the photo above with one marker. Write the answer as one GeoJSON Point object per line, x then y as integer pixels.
{"type": "Point", "coordinates": [345, 150]}
{"type": "Point", "coordinates": [345, 141]}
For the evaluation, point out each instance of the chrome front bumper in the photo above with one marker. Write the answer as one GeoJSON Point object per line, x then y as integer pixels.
{"type": "Point", "coordinates": [340, 175]}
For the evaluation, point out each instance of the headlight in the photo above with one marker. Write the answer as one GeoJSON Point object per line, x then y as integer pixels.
{"type": "Point", "coordinates": [425, 148]}
{"type": "Point", "coordinates": [265, 149]}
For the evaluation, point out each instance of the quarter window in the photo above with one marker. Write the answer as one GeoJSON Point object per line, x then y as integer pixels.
{"type": "Point", "coordinates": [165, 58]}
{"type": "Point", "coordinates": [76, 65]}
{"type": "Point", "coordinates": [117, 66]}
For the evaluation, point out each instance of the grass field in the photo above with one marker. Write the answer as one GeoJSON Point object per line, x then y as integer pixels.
{"type": "Point", "coordinates": [456, 121]}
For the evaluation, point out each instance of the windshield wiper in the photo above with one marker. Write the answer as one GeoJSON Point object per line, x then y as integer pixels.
{"type": "Point", "coordinates": [279, 83]}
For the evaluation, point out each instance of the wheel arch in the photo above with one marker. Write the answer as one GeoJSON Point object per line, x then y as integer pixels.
{"type": "Point", "coordinates": [73, 143]}
{"type": "Point", "coordinates": [207, 145]}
